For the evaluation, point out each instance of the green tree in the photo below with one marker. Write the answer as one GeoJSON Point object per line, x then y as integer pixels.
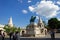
{"type": "Point", "coordinates": [52, 23]}
{"type": "Point", "coordinates": [13, 29]}
{"type": "Point", "coordinates": [58, 24]}
{"type": "Point", "coordinates": [18, 29]}
{"type": "Point", "coordinates": [9, 29]}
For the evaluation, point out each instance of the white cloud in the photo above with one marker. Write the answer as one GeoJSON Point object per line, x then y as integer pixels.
{"type": "Point", "coordinates": [45, 8]}
{"type": "Point", "coordinates": [58, 2]}
{"type": "Point", "coordinates": [25, 11]}
{"type": "Point", "coordinates": [31, 8]}
{"type": "Point", "coordinates": [29, 1]}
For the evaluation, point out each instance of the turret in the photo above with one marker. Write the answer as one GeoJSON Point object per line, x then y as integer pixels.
{"type": "Point", "coordinates": [40, 23]}
{"type": "Point", "coordinates": [10, 23]}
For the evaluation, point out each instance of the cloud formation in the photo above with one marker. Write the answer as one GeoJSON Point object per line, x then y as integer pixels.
{"type": "Point", "coordinates": [45, 8]}
{"type": "Point", "coordinates": [31, 8]}
{"type": "Point", "coordinates": [29, 1]}
{"type": "Point", "coordinates": [25, 11]}
{"type": "Point", "coordinates": [58, 2]}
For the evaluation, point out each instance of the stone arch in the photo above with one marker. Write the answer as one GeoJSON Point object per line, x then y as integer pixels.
{"type": "Point", "coordinates": [45, 31]}
{"type": "Point", "coordinates": [23, 32]}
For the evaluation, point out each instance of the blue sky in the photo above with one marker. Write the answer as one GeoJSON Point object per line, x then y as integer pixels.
{"type": "Point", "coordinates": [22, 10]}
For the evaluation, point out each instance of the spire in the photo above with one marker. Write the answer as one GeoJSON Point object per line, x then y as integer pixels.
{"type": "Point", "coordinates": [40, 23]}
{"type": "Point", "coordinates": [10, 23]}
{"type": "Point", "coordinates": [40, 20]}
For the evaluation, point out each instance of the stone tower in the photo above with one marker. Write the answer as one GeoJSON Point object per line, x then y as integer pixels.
{"type": "Point", "coordinates": [40, 23]}
{"type": "Point", "coordinates": [10, 23]}
{"type": "Point", "coordinates": [43, 30]}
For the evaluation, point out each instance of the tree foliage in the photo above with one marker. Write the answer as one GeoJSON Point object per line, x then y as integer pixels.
{"type": "Point", "coordinates": [9, 29]}
{"type": "Point", "coordinates": [58, 24]}
{"type": "Point", "coordinates": [18, 29]}
{"type": "Point", "coordinates": [53, 23]}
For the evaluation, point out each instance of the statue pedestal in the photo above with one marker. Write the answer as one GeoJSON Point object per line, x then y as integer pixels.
{"type": "Point", "coordinates": [34, 30]}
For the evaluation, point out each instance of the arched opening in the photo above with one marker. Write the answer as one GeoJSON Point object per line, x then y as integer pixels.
{"type": "Point", "coordinates": [23, 32]}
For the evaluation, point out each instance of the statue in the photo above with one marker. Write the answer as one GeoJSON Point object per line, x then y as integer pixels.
{"type": "Point", "coordinates": [32, 19]}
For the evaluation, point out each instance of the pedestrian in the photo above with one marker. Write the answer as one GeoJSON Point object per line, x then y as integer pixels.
{"type": "Point", "coordinates": [17, 35]}
{"type": "Point", "coordinates": [0, 35]}
{"type": "Point", "coordinates": [10, 34]}
{"type": "Point", "coordinates": [52, 33]}
{"type": "Point", "coordinates": [3, 36]}
{"type": "Point", "coordinates": [14, 36]}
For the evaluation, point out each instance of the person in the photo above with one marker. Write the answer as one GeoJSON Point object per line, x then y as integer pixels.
{"type": "Point", "coordinates": [0, 35]}
{"type": "Point", "coordinates": [52, 33]}
{"type": "Point", "coordinates": [14, 36]}
{"type": "Point", "coordinates": [10, 34]}
{"type": "Point", "coordinates": [3, 36]}
{"type": "Point", "coordinates": [17, 35]}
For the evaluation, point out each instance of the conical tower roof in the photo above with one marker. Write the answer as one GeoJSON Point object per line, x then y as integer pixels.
{"type": "Point", "coordinates": [40, 20]}
{"type": "Point", "coordinates": [10, 23]}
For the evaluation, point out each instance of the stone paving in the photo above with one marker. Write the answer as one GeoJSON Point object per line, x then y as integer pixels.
{"type": "Point", "coordinates": [47, 37]}
{"type": "Point", "coordinates": [57, 35]}
{"type": "Point", "coordinates": [35, 39]}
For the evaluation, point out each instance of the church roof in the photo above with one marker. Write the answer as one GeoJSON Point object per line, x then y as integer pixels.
{"type": "Point", "coordinates": [10, 22]}
{"type": "Point", "coordinates": [40, 20]}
